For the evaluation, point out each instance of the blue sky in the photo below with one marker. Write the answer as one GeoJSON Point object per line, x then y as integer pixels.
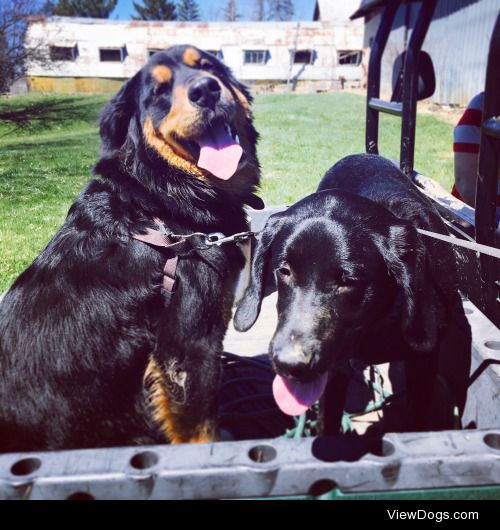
{"type": "Point", "coordinates": [212, 9]}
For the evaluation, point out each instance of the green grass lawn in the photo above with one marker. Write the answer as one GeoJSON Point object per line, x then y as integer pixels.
{"type": "Point", "coordinates": [48, 145]}
{"type": "Point", "coordinates": [303, 135]}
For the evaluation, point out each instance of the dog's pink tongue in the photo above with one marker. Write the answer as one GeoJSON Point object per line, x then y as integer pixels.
{"type": "Point", "coordinates": [219, 153]}
{"type": "Point", "coordinates": [294, 398]}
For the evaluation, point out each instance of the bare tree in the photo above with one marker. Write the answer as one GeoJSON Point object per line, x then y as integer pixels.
{"type": "Point", "coordinates": [230, 11]}
{"type": "Point", "coordinates": [259, 13]}
{"type": "Point", "coordinates": [15, 16]}
{"type": "Point", "coordinates": [280, 10]}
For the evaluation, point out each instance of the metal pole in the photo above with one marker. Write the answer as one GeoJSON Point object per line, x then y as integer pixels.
{"type": "Point", "coordinates": [487, 182]}
{"type": "Point", "coordinates": [374, 69]}
{"type": "Point", "coordinates": [410, 80]}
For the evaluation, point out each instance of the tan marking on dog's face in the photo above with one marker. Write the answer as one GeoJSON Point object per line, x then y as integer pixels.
{"type": "Point", "coordinates": [170, 150]}
{"type": "Point", "coordinates": [242, 117]}
{"type": "Point", "coordinates": [161, 74]}
{"type": "Point", "coordinates": [243, 101]}
{"type": "Point", "coordinates": [183, 122]}
{"type": "Point", "coordinates": [191, 57]}
{"type": "Point", "coordinates": [179, 123]}
{"type": "Point", "coordinates": [183, 117]}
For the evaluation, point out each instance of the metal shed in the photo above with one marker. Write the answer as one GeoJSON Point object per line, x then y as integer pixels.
{"type": "Point", "coordinates": [457, 41]}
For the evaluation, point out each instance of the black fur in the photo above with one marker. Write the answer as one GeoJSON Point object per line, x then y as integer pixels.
{"type": "Point", "coordinates": [355, 279]}
{"type": "Point", "coordinates": [79, 327]}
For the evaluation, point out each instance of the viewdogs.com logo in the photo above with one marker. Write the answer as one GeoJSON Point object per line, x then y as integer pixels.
{"type": "Point", "coordinates": [419, 515]}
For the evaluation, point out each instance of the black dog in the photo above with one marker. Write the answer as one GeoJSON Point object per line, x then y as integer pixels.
{"type": "Point", "coordinates": [89, 325]}
{"type": "Point", "coordinates": [356, 279]}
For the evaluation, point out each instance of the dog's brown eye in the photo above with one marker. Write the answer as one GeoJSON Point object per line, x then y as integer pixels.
{"type": "Point", "coordinates": [284, 271]}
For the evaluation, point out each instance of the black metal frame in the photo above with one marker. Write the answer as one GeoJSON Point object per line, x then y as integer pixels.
{"type": "Point", "coordinates": [488, 177]}
{"type": "Point", "coordinates": [479, 277]}
{"type": "Point", "coordinates": [374, 105]}
{"type": "Point", "coordinates": [407, 109]}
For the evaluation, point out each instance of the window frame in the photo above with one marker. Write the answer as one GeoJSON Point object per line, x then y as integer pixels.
{"type": "Point", "coordinates": [73, 50]}
{"type": "Point", "coordinates": [121, 49]}
{"type": "Point", "coordinates": [311, 52]}
{"type": "Point", "coordinates": [264, 54]}
{"type": "Point", "coordinates": [342, 55]}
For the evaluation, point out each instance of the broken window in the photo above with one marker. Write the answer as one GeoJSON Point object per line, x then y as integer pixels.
{"type": "Point", "coordinates": [350, 57]}
{"type": "Point", "coordinates": [304, 56]}
{"type": "Point", "coordinates": [63, 53]}
{"type": "Point", "coordinates": [113, 55]}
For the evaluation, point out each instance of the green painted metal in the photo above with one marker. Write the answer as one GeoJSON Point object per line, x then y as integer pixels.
{"type": "Point", "coordinates": [476, 493]}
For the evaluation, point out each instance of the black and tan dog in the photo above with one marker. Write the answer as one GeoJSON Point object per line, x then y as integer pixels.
{"type": "Point", "coordinates": [88, 325]}
{"type": "Point", "coordinates": [356, 280]}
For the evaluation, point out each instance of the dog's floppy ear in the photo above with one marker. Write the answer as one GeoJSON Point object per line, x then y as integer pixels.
{"type": "Point", "coordinates": [406, 260]}
{"type": "Point", "coordinates": [249, 306]}
{"type": "Point", "coordinates": [254, 201]}
{"type": "Point", "coordinates": [116, 115]}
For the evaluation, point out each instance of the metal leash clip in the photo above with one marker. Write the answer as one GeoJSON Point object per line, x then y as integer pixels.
{"type": "Point", "coordinates": [218, 238]}
{"type": "Point", "coordinates": [198, 240]}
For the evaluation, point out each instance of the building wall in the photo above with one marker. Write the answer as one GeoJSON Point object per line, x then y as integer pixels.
{"type": "Point", "coordinates": [70, 85]}
{"type": "Point", "coordinates": [457, 41]}
{"type": "Point", "coordinates": [231, 39]}
{"type": "Point", "coordinates": [458, 44]}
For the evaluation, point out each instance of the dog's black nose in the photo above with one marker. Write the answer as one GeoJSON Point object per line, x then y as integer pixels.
{"type": "Point", "coordinates": [205, 92]}
{"type": "Point", "coordinates": [292, 364]}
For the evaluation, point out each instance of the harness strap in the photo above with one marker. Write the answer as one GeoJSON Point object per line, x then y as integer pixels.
{"type": "Point", "coordinates": [160, 238]}
{"type": "Point", "coordinates": [169, 274]}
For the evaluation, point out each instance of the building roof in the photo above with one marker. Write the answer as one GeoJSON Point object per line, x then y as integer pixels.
{"type": "Point", "coordinates": [160, 23]}
{"type": "Point", "coordinates": [368, 6]}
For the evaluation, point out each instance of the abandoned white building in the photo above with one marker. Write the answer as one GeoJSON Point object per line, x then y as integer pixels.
{"type": "Point", "coordinates": [94, 55]}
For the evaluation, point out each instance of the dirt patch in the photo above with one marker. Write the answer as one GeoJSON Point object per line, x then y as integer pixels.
{"type": "Point", "coordinates": [448, 113]}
